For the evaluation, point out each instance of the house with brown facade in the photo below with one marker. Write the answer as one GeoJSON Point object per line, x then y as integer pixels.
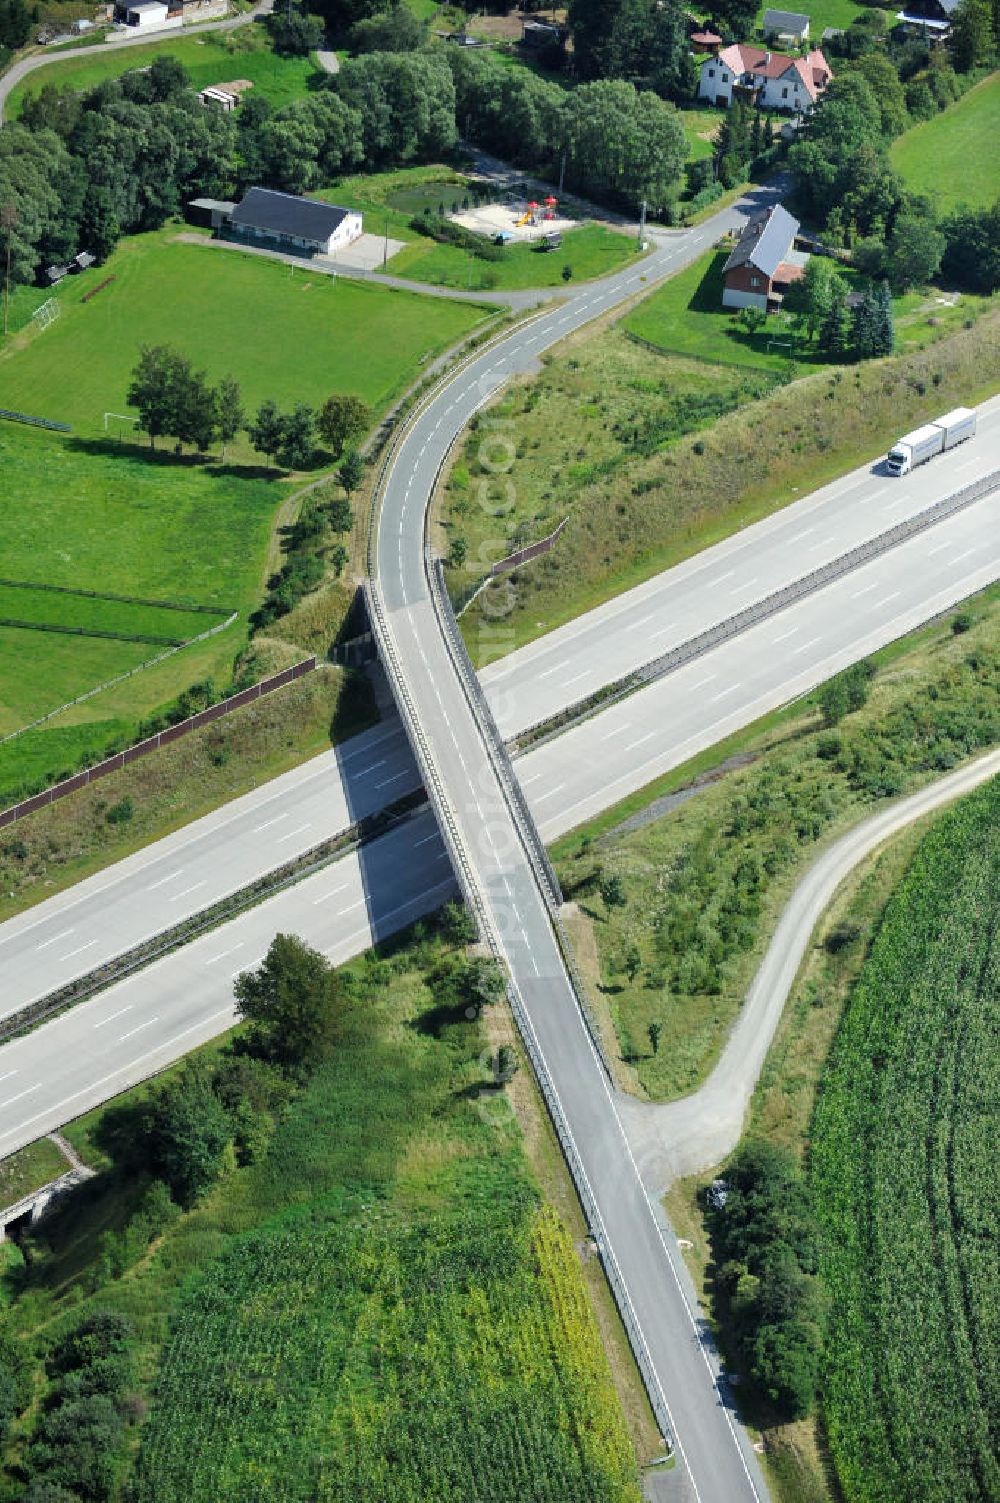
{"type": "Point", "coordinates": [763, 262]}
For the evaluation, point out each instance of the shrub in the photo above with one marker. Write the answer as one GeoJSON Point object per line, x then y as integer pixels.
{"type": "Point", "coordinates": [122, 812]}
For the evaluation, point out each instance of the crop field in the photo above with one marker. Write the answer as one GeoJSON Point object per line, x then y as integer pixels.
{"type": "Point", "coordinates": [357, 1361]}
{"type": "Point", "coordinates": [946, 157]}
{"type": "Point", "coordinates": [389, 201]}
{"type": "Point", "coordinates": [380, 1305]}
{"type": "Point", "coordinates": [209, 59]}
{"type": "Point", "coordinates": [280, 331]}
{"type": "Point", "coordinates": [904, 1178]}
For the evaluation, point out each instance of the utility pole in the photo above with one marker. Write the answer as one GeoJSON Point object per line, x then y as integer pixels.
{"type": "Point", "coordinates": [562, 169]}
{"type": "Point", "coordinates": [8, 220]}
{"type": "Point", "coordinates": [642, 223]}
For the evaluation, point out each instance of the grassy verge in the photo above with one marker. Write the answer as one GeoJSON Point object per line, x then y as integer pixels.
{"type": "Point", "coordinates": [419, 1309]}
{"type": "Point", "coordinates": [72, 839]}
{"type": "Point", "coordinates": [934, 156]}
{"type": "Point", "coordinates": [29, 1169]}
{"type": "Point", "coordinates": [703, 881]}
{"type": "Point", "coordinates": [212, 58]}
{"type": "Point", "coordinates": [634, 512]}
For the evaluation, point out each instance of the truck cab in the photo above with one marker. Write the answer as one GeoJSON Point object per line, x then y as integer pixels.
{"type": "Point", "coordinates": [898, 460]}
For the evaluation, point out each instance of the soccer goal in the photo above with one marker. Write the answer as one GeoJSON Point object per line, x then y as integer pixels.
{"type": "Point", "coordinates": [119, 418]}
{"type": "Point", "coordinates": [47, 313]}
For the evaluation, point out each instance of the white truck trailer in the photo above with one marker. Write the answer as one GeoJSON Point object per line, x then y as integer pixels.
{"type": "Point", "coordinates": [933, 438]}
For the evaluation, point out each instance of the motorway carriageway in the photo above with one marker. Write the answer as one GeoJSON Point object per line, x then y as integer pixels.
{"type": "Point", "coordinates": [596, 763]}
{"type": "Point", "coordinates": [70, 1064]}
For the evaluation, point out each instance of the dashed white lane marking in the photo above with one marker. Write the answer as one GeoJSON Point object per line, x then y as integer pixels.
{"type": "Point", "coordinates": [785, 635]}
{"type": "Point", "coordinates": [292, 834]}
{"type": "Point", "coordinates": [224, 954]}
{"type": "Point", "coordinates": [139, 1029]}
{"type": "Point", "coordinates": [268, 823]}
{"type": "Point", "coordinates": [55, 939]}
{"type": "Point", "coordinates": [120, 1013]}
{"type": "Point", "coordinates": [79, 951]}
{"type": "Point", "coordinates": [866, 591]}
{"type": "Point", "coordinates": [551, 793]}
{"type": "Point", "coordinates": [175, 897]}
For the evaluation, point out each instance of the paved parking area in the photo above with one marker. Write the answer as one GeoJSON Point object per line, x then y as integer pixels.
{"type": "Point", "coordinates": [367, 253]}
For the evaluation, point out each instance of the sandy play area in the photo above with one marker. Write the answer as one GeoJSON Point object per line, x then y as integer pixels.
{"type": "Point", "coordinates": [490, 219]}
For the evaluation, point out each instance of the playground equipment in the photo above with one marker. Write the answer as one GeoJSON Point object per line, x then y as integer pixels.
{"type": "Point", "coordinates": [550, 207]}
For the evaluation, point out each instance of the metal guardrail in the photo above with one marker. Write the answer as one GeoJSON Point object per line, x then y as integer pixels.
{"type": "Point", "coordinates": [524, 820]}
{"type": "Point", "coordinates": [495, 745]}
{"type": "Point", "coordinates": [753, 615]}
{"type": "Point", "coordinates": [479, 909]}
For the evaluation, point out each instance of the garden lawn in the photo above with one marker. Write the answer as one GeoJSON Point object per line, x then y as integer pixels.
{"type": "Point", "coordinates": [700, 127]}
{"type": "Point", "coordinates": [281, 331]}
{"type": "Point", "coordinates": [953, 157]}
{"type": "Point", "coordinates": [216, 57]}
{"type": "Point", "coordinates": [686, 317]}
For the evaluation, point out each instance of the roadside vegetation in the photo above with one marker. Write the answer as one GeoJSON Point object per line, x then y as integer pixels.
{"type": "Point", "coordinates": [419, 1318]}
{"type": "Point", "coordinates": [69, 840]}
{"type": "Point", "coordinates": [597, 439]}
{"type": "Point", "coordinates": [683, 902]}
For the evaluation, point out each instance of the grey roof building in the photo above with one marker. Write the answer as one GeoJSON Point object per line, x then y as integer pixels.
{"type": "Point", "coordinates": [763, 261]}
{"type": "Point", "coordinates": [786, 24]}
{"type": "Point", "coordinates": [307, 219]}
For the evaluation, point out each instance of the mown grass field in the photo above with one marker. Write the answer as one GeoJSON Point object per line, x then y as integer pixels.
{"type": "Point", "coordinates": [95, 514]}
{"type": "Point", "coordinates": [281, 331]}
{"type": "Point", "coordinates": [380, 1303]}
{"type": "Point", "coordinates": [654, 503]}
{"type": "Point", "coordinates": [389, 202]}
{"type": "Point", "coordinates": [209, 59]}
{"type": "Point", "coordinates": [91, 516]}
{"type": "Point", "coordinates": [706, 881]}
{"type": "Point", "coordinates": [902, 1171]}
{"type": "Point", "coordinates": [950, 157]}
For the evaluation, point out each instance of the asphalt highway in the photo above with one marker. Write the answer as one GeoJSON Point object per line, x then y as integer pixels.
{"type": "Point", "coordinates": [610, 641]}
{"type": "Point", "coordinates": [566, 780]}
{"type": "Point", "coordinates": [139, 1025]}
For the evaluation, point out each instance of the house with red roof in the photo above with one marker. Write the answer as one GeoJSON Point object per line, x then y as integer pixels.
{"type": "Point", "coordinates": [771, 80]}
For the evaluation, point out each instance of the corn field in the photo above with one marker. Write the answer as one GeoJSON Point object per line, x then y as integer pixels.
{"type": "Point", "coordinates": [348, 1360]}
{"type": "Point", "coordinates": [904, 1173]}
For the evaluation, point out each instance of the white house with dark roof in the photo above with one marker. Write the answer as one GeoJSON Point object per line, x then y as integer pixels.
{"type": "Point", "coordinates": [771, 80]}
{"type": "Point", "coordinates": [786, 26]}
{"type": "Point", "coordinates": [931, 18]}
{"type": "Point", "coordinates": [297, 226]}
{"type": "Point", "coordinates": [763, 262]}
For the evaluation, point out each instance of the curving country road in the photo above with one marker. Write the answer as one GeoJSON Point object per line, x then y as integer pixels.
{"type": "Point", "coordinates": [716, 1463]}
{"type": "Point", "coordinates": [684, 1137]}
{"type": "Point", "coordinates": [28, 65]}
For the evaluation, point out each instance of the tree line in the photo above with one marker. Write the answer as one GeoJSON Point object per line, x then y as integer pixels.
{"type": "Point", "coordinates": [83, 169]}
{"type": "Point", "coordinates": [176, 401]}
{"type": "Point", "coordinates": [844, 183]}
